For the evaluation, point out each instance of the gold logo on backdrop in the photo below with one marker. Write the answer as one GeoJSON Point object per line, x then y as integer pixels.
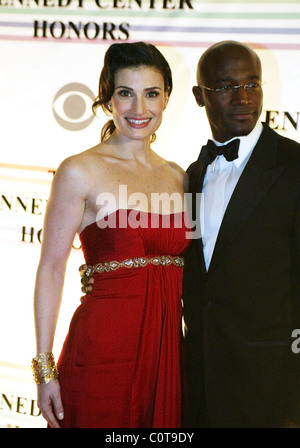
{"type": "Point", "coordinates": [72, 106]}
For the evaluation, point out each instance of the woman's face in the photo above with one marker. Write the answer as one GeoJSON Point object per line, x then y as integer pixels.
{"type": "Point", "coordinates": [138, 102]}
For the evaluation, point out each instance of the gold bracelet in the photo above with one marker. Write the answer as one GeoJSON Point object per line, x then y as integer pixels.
{"type": "Point", "coordinates": [44, 368]}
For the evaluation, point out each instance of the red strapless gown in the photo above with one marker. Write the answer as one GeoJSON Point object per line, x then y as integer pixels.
{"type": "Point", "coordinates": [121, 363]}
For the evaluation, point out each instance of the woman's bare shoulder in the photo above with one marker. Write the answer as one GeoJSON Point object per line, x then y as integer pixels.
{"type": "Point", "coordinates": [82, 163]}
{"type": "Point", "coordinates": [75, 174]}
{"type": "Point", "coordinates": [174, 166]}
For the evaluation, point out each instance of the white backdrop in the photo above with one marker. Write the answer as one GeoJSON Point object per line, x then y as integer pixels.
{"type": "Point", "coordinates": [51, 56]}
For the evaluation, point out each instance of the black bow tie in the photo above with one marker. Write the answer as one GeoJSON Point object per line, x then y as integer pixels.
{"type": "Point", "coordinates": [210, 151]}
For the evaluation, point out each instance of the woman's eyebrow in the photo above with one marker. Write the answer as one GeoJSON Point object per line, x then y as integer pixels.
{"type": "Point", "coordinates": [131, 88]}
{"type": "Point", "coordinates": [124, 87]}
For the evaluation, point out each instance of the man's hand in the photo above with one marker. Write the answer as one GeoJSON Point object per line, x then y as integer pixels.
{"type": "Point", "coordinates": [86, 279]}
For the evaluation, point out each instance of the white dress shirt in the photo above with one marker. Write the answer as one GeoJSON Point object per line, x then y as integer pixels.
{"type": "Point", "coordinates": [219, 183]}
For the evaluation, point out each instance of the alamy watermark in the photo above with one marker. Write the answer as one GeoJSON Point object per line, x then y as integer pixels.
{"type": "Point", "coordinates": [296, 343]}
{"type": "Point", "coordinates": [160, 204]}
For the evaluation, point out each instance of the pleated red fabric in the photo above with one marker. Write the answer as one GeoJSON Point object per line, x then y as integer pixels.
{"type": "Point", "coordinates": [121, 363]}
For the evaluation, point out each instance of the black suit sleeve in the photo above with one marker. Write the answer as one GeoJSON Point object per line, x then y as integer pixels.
{"type": "Point", "coordinates": [294, 409]}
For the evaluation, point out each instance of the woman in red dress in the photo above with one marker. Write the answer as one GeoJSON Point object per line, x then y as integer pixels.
{"type": "Point", "coordinates": [121, 363]}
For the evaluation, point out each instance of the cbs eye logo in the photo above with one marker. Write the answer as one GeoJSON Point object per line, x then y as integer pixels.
{"type": "Point", "coordinates": [72, 107]}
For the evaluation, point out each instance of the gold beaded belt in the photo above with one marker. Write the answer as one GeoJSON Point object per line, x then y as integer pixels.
{"type": "Point", "coordinates": [137, 262]}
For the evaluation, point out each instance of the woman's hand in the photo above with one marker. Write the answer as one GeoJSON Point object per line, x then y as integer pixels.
{"type": "Point", "coordinates": [49, 402]}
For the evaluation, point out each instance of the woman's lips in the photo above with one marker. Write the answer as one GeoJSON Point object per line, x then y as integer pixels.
{"type": "Point", "coordinates": [138, 122]}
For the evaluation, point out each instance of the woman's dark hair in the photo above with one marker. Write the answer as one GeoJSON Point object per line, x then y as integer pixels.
{"type": "Point", "coordinates": [126, 55]}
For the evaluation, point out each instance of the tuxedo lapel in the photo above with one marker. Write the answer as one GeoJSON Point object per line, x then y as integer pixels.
{"type": "Point", "coordinates": [196, 177]}
{"type": "Point", "coordinates": [196, 173]}
{"type": "Point", "coordinates": [260, 173]}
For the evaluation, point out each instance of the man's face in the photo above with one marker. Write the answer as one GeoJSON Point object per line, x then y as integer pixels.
{"type": "Point", "coordinates": [233, 113]}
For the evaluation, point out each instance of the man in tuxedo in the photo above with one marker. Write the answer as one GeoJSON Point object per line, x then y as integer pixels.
{"type": "Point", "coordinates": [242, 278]}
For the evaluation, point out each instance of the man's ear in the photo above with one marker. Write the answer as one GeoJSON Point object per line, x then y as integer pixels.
{"type": "Point", "coordinates": [197, 91]}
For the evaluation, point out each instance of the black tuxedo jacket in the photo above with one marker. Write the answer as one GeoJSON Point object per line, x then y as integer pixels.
{"type": "Point", "coordinates": [241, 313]}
